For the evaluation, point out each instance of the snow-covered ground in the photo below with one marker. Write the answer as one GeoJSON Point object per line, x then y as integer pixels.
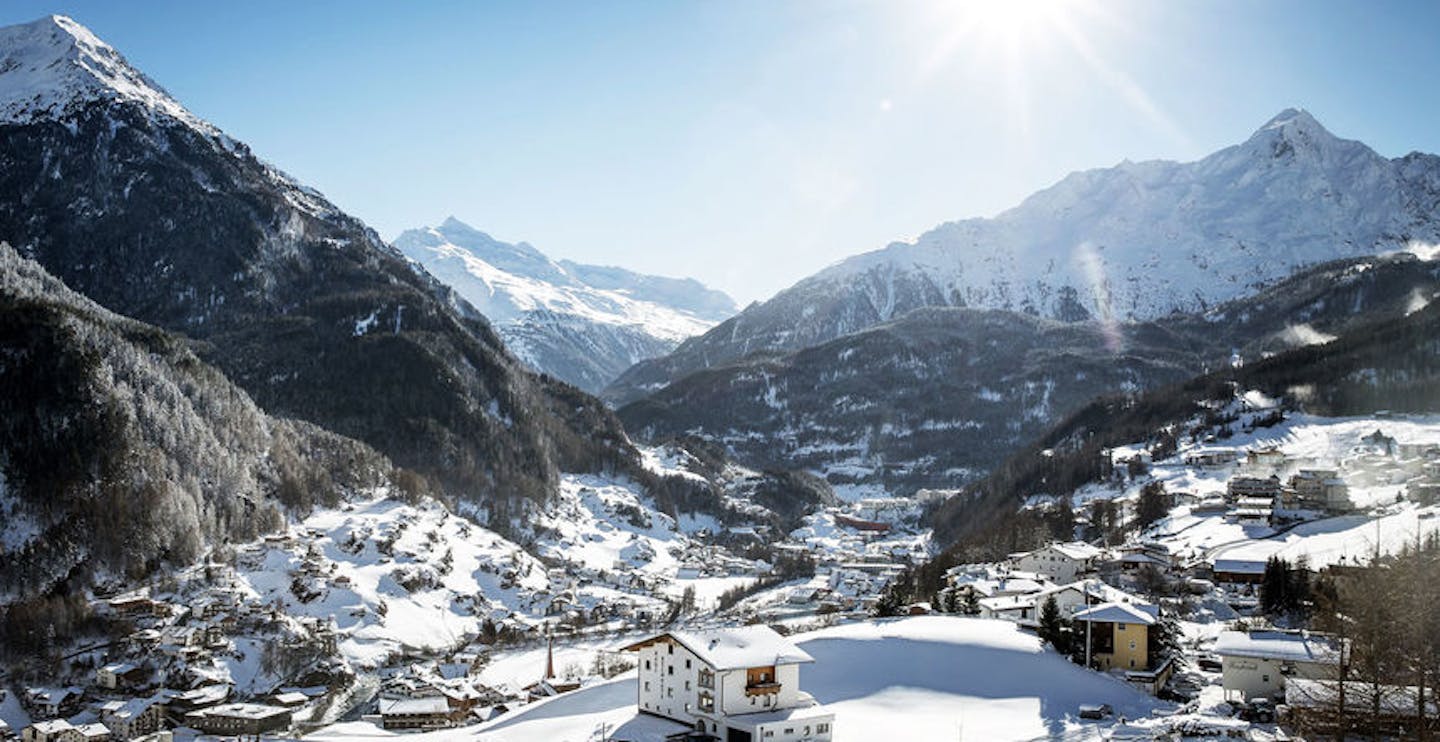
{"type": "Point", "coordinates": [929, 677]}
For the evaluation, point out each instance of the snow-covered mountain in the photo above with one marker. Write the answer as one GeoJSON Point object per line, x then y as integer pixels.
{"type": "Point", "coordinates": [114, 188]}
{"type": "Point", "coordinates": [584, 324]}
{"type": "Point", "coordinates": [1135, 241]}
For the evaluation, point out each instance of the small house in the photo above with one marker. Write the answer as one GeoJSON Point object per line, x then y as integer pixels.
{"type": "Point", "coordinates": [1256, 664]}
{"type": "Point", "coordinates": [1119, 634]}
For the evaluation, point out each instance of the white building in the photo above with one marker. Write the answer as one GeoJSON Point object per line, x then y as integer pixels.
{"type": "Point", "coordinates": [740, 685]}
{"type": "Point", "coordinates": [1061, 563]}
{"type": "Point", "coordinates": [46, 731]}
{"type": "Point", "coordinates": [1070, 599]}
{"type": "Point", "coordinates": [1256, 664]}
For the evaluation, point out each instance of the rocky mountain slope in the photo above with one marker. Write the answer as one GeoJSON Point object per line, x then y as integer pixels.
{"type": "Point", "coordinates": [583, 324]}
{"type": "Point", "coordinates": [120, 450]}
{"type": "Point", "coordinates": [936, 397]}
{"type": "Point", "coordinates": [1134, 242]}
{"type": "Point", "coordinates": [136, 203]}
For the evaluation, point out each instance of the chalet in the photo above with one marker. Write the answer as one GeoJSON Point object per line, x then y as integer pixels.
{"type": "Point", "coordinates": [1060, 562]}
{"type": "Point", "coordinates": [239, 719]}
{"type": "Point", "coordinates": [1270, 457]}
{"type": "Point", "coordinates": [56, 701]}
{"type": "Point", "coordinates": [52, 730]}
{"type": "Point", "coordinates": [431, 712]}
{"type": "Point", "coordinates": [1245, 571]}
{"type": "Point", "coordinates": [290, 700]}
{"type": "Point", "coordinates": [133, 718]}
{"type": "Point", "coordinates": [1257, 664]}
{"type": "Point", "coordinates": [181, 704]}
{"type": "Point", "coordinates": [737, 685]}
{"type": "Point", "coordinates": [1267, 488]}
{"type": "Point", "coordinates": [1322, 488]}
{"type": "Point", "coordinates": [1119, 634]}
{"type": "Point", "coordinates": [120, 675]}
{"type": "Point", "coordinates": [1212, 458]}
{"type": "Point", "coordinates": [1253, 511]}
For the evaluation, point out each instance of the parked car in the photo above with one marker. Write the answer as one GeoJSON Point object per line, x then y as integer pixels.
{"type": "Point", "coordinates": [1096, 710]}
{"type": "Point", "coordinates": [1258, 710]}
{"type": "Point", "coordinates": [1208, 662]}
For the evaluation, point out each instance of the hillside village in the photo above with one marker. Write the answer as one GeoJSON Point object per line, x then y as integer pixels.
{"type": "Point", "coordinates": [415, 619]}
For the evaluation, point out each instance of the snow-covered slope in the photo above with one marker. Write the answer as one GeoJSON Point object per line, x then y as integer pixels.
{"type": "Point", "coordinates": [1135, 241]}
{"type": "Point", "coordinates": [54, 64]}
{"type": "Point", "coordinates": [937, 678]}
{"type": "Point", "coordinates": [582, 323]}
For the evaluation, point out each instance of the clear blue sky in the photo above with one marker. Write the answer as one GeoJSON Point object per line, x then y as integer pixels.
{"type": "Point", "coordinates": [749, 143]}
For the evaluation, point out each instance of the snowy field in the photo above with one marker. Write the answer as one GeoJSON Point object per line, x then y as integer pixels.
{"type": "Point", "coordinates": [934, 677]}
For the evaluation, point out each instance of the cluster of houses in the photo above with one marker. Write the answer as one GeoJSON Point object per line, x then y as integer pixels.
{"type": "Point", "coordinates": [1268, 487]}
{"type": "Point", "coordinates": [75, 715]}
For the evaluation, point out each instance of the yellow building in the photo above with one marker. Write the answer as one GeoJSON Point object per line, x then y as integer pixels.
{"type": "Point", "coordinates": [1119, 634]}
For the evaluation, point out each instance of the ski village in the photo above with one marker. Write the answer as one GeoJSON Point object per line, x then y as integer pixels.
{"type": "Point", "coordinates": [1187, 590]}
{"type": "Point", "coordinates": [1153, 454]}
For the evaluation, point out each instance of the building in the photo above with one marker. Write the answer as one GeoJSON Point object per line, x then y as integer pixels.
{"type": "Point", "coordinates": [1070, 599]}
{"type": "Point", "coordinates": [431, 712]}
{"type": "Point", "coordinates": [1060, 562]}
{"type": "Point", "coordinates": [737, 685]}
{"type": "Point", "coordinates": [1253, 487]}
{"type": "Point", "coordinates": [1270, 457]}
{"type": "Point", "coordinates": [87, 733]}
{"type": "Point", "coordinates": [1323, 489]}
{"type": "Point", "coordinates": [46, 731]}
{"type": "Point", "coordinates": [237, 719]}
{"type": "Point", "coordinates": [1119, 634]}
{"type": "Point", "coordinates": [55, 702]}
{"type": "Point", "coordinates": [120, 675]}
{"type": "Point", "coordinates": [134, 718]}
{"type": "Point", "coordinates": [1257, 664]}
{"type": "Point", "coordinates": [1247, 571]}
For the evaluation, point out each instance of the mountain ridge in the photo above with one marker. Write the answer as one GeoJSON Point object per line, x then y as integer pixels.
{"type": "Point", "coordinates": [581, 323]}
{"type": "Point", "coordinates": [1135, 241]}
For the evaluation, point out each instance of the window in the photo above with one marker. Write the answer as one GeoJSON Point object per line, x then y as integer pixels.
{"type": "Point", "coordinates": [707, 702]}
{"type": "Point", "coordinates": [707, 678]}
{"type": "Point", "coordinates": [647, 685]}
{"type": "Point", "coordinates": [1119, 627]}
{"type": "Point", "coordinates": [789, 731]}
{"type": "Point", "coordinates": [687, 663]}
{"type": "Point", "coordinates": [647, 664]}
{"type": "Point", "coordinates": [670, 648]}
{"type": "Point", "coordinates": [671, 669]}
{"type": "Point", "coordinates": [687, 685]}
{"type": "Point", "coordinates": [822, 728]}
{"type": "Point", "coordinates": [669, 692]}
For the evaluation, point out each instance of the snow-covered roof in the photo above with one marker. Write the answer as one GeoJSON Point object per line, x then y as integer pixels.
{"type": "Point", "coordinates": [1240, 566]}
{"type": "Point", "coordinates": [1078, 550]}
{"type": "Point", "coordinates": [407, 706]}
{"type": "Point", "coordinates": [93, 731]}
{"type": "Point", "coordinates": [1137, 613]}
{"type": "Point", "coordinates": [1278, 645]}
{"type": "Point", "coordinates": [243, 711]}
{"type": "Point", "coordinates": [52, 726]}
{"type": "Point", "coordinates": [735, 648]}
{"type": "Point", "coordinates": [129, 709]}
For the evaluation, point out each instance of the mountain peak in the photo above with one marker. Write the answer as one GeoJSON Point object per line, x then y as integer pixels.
{"type": "Point", "coordinates": [52, 66]}
{"type": "Point", "coordinates": [1292, 123]}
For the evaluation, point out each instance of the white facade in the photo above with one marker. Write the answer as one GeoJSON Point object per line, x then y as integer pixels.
{"type": "Point", "coordinates": [1061, 563]}
{"type": "Point", "coordinates": [1257, 664]}
{"type": "Point", "coordinates": [750, 695]}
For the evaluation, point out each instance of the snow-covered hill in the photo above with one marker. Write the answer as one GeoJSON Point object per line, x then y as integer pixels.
{"type": "Point", "coordinates": [934, 677]}
{"type": "Point", "coordinates": [582, 323]}
{"type": "Point", "coordinates": [1135, 241]}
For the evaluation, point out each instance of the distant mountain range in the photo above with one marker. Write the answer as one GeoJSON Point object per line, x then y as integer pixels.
{"type": "Point", "coordinates": [1134, 242]}
{"type": "Point", "coordinates": [583, 324]}
{"type": "Point", "coordinates": [924, 364]}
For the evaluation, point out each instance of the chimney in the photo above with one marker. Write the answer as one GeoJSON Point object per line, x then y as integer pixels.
{"type": "Point", "coordinates": [550, 659]}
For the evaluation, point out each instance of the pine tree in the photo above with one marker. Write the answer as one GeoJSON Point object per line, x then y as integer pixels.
{"type": "Point", "coordinates": [1052, 626]}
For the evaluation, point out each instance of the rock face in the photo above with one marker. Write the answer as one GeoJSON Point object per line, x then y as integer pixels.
{"type": "Point", "coordinates": [1134, 242]}
{"type": "Point", "coordinates": [113, 187]}
{"type": "Point", "coordinates": [583, 324]}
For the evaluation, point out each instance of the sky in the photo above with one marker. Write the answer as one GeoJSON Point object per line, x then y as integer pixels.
{"type": "Point", "coordinates": [750, 143]}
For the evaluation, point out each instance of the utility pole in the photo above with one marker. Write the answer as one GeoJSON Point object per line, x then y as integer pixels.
{"type": "Point", "coordinates": [1088, 624]}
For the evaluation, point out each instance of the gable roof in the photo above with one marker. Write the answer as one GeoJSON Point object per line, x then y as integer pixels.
{"type": "Point", "coordinates": [735, 648]}
{"type": "Point", "coordinates": [1121, 613]}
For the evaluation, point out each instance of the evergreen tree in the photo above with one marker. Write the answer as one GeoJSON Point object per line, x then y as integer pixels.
{"type": "Point", "coordinates": [972, 604]}
{"type": "Point", "coordinates": [1053, 629]}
